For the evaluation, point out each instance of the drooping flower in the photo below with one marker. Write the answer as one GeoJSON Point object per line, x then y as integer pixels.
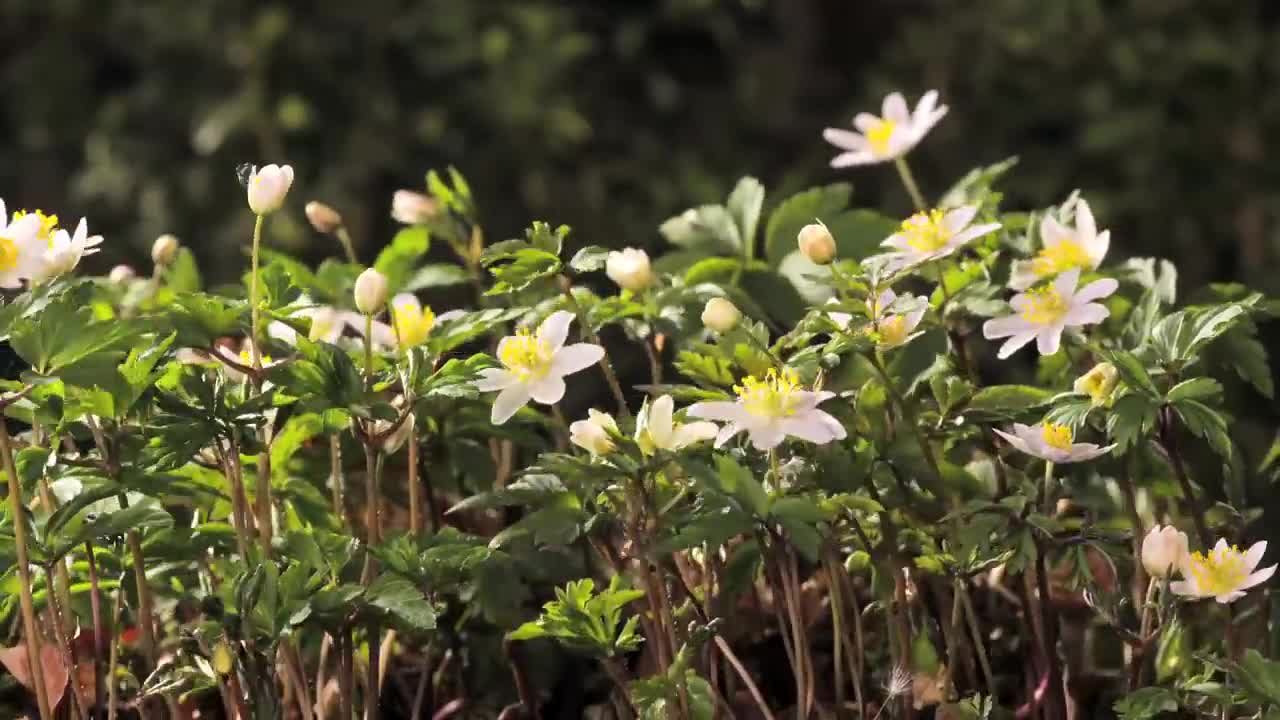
{"type": "Point", "coordinates": [1044, 312]}
{"type": "Point", "coordinates": [771, 409]}
{"type": "Point", "coordinates": [720, 315]}
{"type": "Point", "coordinates": [267, 188]}
{"type": "Point", "coordinates": [398, 434]}
{"type": "Point", "coordinates": [534, 366]}
{"type": "Point", "coordinates": [892, 329]}
{"type": "Point", "coordinates": [1052, 442]}
{"type": "Point", "coordinates": [21, 247]}
{"type": "Point", "coordinates": [1099, 384]}
{"type": "Point", "coordinates": [594, 433]}
{"type": "Point", "coordinates": [630, 269]}
{"type": "Point", "coordinates": [656, 429]}
{"type": "Point", "coordinates": [931, 235]}
{"type": "Point", "coordinates": [413, 208]}
{"type": "Point", "coordinates": [1081, 247]}
{"type": "Point", "coordinates": [412, 321]}
{"type": "Point", "coordinates": [1164, 550]}
{"type": "Point", "coordinates": [888, 137]}
{"type": "Point", "coordinates": [1224, 573]}
{"type": "Point", "coordinates": [322, 217]}
{"type": "Point", "coordinates": [65, 250]}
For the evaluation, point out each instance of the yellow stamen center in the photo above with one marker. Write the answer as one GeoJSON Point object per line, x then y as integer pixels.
{"type": "Point", "coordinates": [48, 224]}
{"type": "Point", "coordinates": [1223, 571]}
{"type": "Point", "coordinates": [412, 324]}
{"type": "Point", "coordinates": [893, 331]}
{"type": "Point", "coordinates": [1060, 258]}
{"type": "Point", "coordinates": [879, 135]}
{"type": "Point", "coordinates": [320, 327]}
{"type": "Point", "coordinates": [8, 254]}
{"type": "Point", "coordinates": [925, 232]}
{"type": "Point", "coordinates": [525, 355]}
{"type": "Point", "coordinates": [1045, 306]}
{"type": "Point", "coordinates": [1057, 436]}
{"type": "Point", "coordinates": [246, 358]}
{"type": "Point", "coordinates": [776, 396]}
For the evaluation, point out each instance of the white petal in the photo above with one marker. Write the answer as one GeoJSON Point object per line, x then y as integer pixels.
{"type": "Point", "coordinates": [1014, 440]}
{"type": "Point", "coordinates": [844, 139]}
{"type": "Point", "coordinates": [1095, 290]}
{"type": "Point", "coordinates": [1052, 232]}
{"type": "Point", "coordinates": [1186, 588]}
{"type": "Point", "coordinates": [727, 432]}
{"type": "Point", "coordinates": [814, 426]}
{"type": "Point", "coordinates": [572, 358]}
{"type": "Point", "coordinates": [1253, 557]}
{"type": "Point", "coordinates": [1049, 339]}
{"type": "Point", "coordinates": [1086, 226]}
{"type": "Point", "coordinates": [1014, 344]}
{"type": "Point", "coordinates": [549, 390]}
{"type": "Point", "coordinates": [1229, 597]}
{"type": "Point", "coordinates": [767, 437]}
{"type": "Point", "coordinates": [1258, 577]}
{"type": "Point", "coordinates": [1082, 452]}
{"type": "Point", "coordinates": [555, 329]}
{"type": "Point", "coordinates": [1221, 544]}
{"type": "Point", "coordinates": [1087, 314]}
{"type": "Point", "coordinates": [852, 159]}
{"type": "Point", "coordinates": [494, 379]}
{"type": "Point", "coordinates": [508, 402]}
{"type": "Point", "coordinates": [408, 299]}
{"type": "Point", "coordinates": [1066, 283]}
{"type": "Point", "coordinates": [693, 432]}
{"type": "Point", "coordinates": [959, 218]}
{"type": "Point", "coordinates": [721, 410]}
{"type": "Point", "coordinates": [1007, 326]}
{"type": "Point", "coordinates": [895, 109]}
{"type": "Point", "coordinates": [865, 122]}
{"type": "Point", "coordinates": [1097, 248]}
{"type": "Point", "coordinates": [658, 420]}
{"type": "Point", "coordinates": [924, 107]}
{"type": "Point", "coordinates": [969, 234]}
{"type": "Point", "coordinates": [1022, 275]}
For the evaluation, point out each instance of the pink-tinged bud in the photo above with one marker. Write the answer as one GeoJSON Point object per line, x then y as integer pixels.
{"type": "Point", "coordinates": [816, 243]}
{"type": "Point", "coordinates": [322, 217]}
{"type": "Point", "coordinates": [413, 208]}
{"type": "Point", "coordinates": [164, 250]}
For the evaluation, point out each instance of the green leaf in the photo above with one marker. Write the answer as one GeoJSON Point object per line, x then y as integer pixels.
{"type": "Point", "coordinates": [145, 514]}
{"type": "Point", "coordinates": [1248, 357]}
{"type": "Point", "coordinates": [709, 228]}
{"type": "Point", "coordinates": [1146, 703]}
{"type": "Point", "coordinates": [398, 597]}
{"type": "Point", "coordinates": [436, 275]}
{"type": "Point", "coordinates": [1207, 423]}
{"type": "Point", "coordinates": [738, 482]}
{"type": "Point", "coordinates": [1132, 417]}
{"type": "Point", "coordinates": [744, 204]}
{"type": "Point", "coordinates": [1133, 373]}
{"type": "Point", "coordinates": [589, 259]}
{"type": "Point", "coordinates": [397, 260]}
{"type": "Point", "coordinates": [1259, 677]}
{"type": "Point", "coordinates": [1007, 400]}
{"type": "Point", "coordinates": [1194, 389]}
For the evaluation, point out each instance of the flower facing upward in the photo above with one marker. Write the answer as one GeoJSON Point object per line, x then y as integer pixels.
{"type": "Point", "coordinates": [413, 323]}
{"type": "Point", "coordinates": [931, 235]}
{"type": "Point", "coordinates": [65, 251]}
{"type": "Point", "coordinates": [771, 409]}
{"type": "Point", "coordinates": [656, 429]}
{"type": "Point", "coordinates": [888, 137]}
{"type": "Point", "coordinates": [267, 187]}
{"type": "Point", "coordinates": [1224, 573]}
{"type": "Point", "coordinates": [1051, 442]}
{"type": "Point", "coordinates": [1044, 312]}
{"type": "Point", "coordinates": [1099, 384]}
{"type": "Point", "coordinates": [593, 434]}
{"type": "Point", "coordinates": [534, 365]}
{"type": "Point", "coordinates": [21, 246]}
{"type": "Point", "coordinates": [630, 269]}
{"type": "Point", "coordinates": [1164, 550]}
{"type": "Point", "coordinates": [1081, 247]}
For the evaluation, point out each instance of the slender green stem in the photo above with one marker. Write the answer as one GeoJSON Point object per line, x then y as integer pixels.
{"type": "Point", "coordinates": [909, 182]}
{"type": "Point", "coordinates": [344, 237]}
{"type": "Point", "coordinates": [904, 410]}
{"type": "Point", "coordinates": [971, 618]}
{"type": "Point", "coordinates": [614, 386]}
{"type": "Point", "coordinates": [253, 292]}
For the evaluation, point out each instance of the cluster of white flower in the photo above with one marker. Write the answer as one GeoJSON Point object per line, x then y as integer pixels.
{"type": "Point", "coordinates": [35, 249]}
{"type": "Point", "coordinates": [1224, 573]}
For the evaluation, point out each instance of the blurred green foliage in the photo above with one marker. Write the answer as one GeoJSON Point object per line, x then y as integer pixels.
{"type": "Point", "coordinates": [611, 115]}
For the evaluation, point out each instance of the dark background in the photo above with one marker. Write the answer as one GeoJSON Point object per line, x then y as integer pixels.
{"type": "Point", "coordinates": [611, 115]}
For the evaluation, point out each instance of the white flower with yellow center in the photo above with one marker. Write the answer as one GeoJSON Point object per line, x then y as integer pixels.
{"type": "Point", "coordinates": [327, 324]}
{"type": "Point", "coordinates": [413, 323]}
{"type": "Point", "coordinates": [1043, 313]}
{"type": "Point", "coordinates": [595, 434]}
{"type": "Point", "coordinates": [23, 242]}
{"type": "Point", "coordinates": [892, 329]}
{"type": "Point", "coordinates": [771, 409]}
{"type": "Point", "coordinates": [243, 358]}
{"type": "Point", "coordinates": [656, 428]}
{"type": "Point", "coordinates": [1081, 247]}
{"type": "Point", "coordinates": [888, 137]}
{"type": "Point", "coordinates": [65, 250]}
{"type": "Point", "coordinates": [1224, 573]}
{"type": "Point", "coordinates": [534, 366]}
{"type": "Point", "coordinates": [1051, 442]}
{"type": "Point", "coordinates": [928, 236]}
{"type": "Point", "coordinates": [1099, 384]}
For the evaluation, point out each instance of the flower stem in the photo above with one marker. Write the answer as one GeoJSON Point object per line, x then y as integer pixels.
{"type": "Point", "coordinates": [344, 237]}
{"type": "Point", "coordinates": [1196, 509]}
{"type": "Point", "coordinates": [253, 292]}
{"type": "Point", "coordinates": [909, 182]}
{"type": "Point", "coordinates": [614, 386]}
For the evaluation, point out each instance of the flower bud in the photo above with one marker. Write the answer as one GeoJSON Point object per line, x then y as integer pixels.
{"type": "Point", "coordinates": [1098, 383]}
{"type": "Point", "coordinates": [816, 243]}
{"type": "Point", "coordinates": [413, 208]}
{"type": "Point", "coordinates": [1164, 550]}
{"type": "Point", "coordinates": [720, 315]}
{"type": "Point", "coordinates": [267, 188]}
{"type": "Point", "coordinates": [121, 274]}
{"type": "Point", "coordinates": [164, 249]}
{"type": "Point", "coordinates": [630, 269]}
{"type": "Point", "coordinates": [322, 217]}
{"type": "Point", "coordinates": [593, 434]}
{"type": "Point", "coordinates": [371, 292]}
{"type": "Point", "coordinates": [396, 440]}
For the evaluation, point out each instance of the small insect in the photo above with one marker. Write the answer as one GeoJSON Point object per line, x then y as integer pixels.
{"type": "Point", "coordinates": [244, 173]}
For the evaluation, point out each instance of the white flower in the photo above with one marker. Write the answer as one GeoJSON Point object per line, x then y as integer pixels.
{"type": "Point", "coordinates": [164, 249]}
{"type": "Point", "coordinates": [931, 235]}
{"type": "Point", "coordinates": [892, 329]}
{"type": "Point", "coordinates": [402, 432]}
{"type": "Point", "coordinates": [1099, 383]}
{"type": "Point", "coordinates": [370, 292]}
{"type": "Point", "coordinates": [594, 433]}
{"type": "Point", "coordinates": [121, 274]}
{"type": "Point", "coordinates": [21, 246]}
{"type": "Point", "coordinates": [1081, 247]}
{"type": "Point", "coordinates": [770, 410]}
{"type": "Point", "coordinates": [1224, 574]}
{"type": "Point", "coordinates": [656, 430]}
{"type": "Point", "coordinates": [412, 322]}
{"type": "Point", "coordinates": [1051, 442]}
{"type": "Point", "coordinates": [888, 137]}
{"type": "Point", "coordinates": [267, 188]}
{"type": "Point", "coordinates": [65, 250]}
{"type": "Point", "coordinates": [630, 269]}
{"type": "Point", "coordinates": [1164, 550]}
{"type": "Point", "coordinates": [243, 358]}
{"type": "Point", "coordinates": [413, 208]}
{"type": "Point", "coordinates": [720, 315]}
{"type": "Point", "coordinates": [534, 366]}
{"type": "Point", "coordinates": [816, 243]}
{"type": "Point", "coordinates": [1044, 312]}
{"type": "Point", "coordinates": [327, 324]}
